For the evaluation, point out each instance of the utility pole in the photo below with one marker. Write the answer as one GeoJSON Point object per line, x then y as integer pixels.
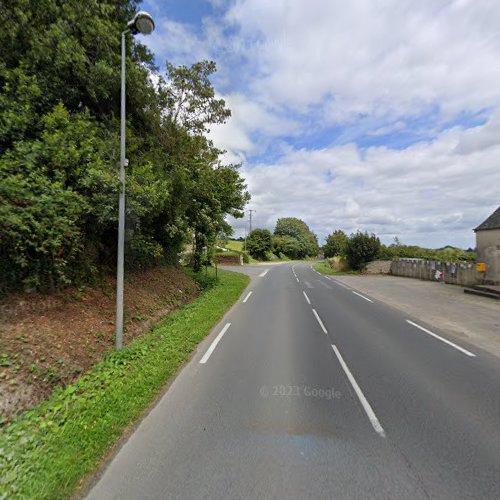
{"type": "Point", "coordinates": [251, 211]}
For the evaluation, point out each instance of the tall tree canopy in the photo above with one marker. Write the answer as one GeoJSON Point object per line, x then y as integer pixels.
{"type": "Point", "coordinates": [306, 244]}
{"type": "Point", "coordinates": [59, 146]}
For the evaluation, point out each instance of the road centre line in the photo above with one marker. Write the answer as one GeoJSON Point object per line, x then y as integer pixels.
{"type": "Point", "coordinates": [210, 350]}
{"type": "Point", "coordinates": [320, 322]}
{"type": "Point", "coordinates": [297, 279]}
{"type": "Point", "coordinates": [362, 296]}
{"type": "Point", "coordinates": [261, 275]}
{"type": "Point", "coordinates": [461, 349]}
{"type": "Point", "coordinates": [307, 298]}
{"type": "Point", "coordinates": [247, 297]}
{"type": "Point", "coordinates": [364, 402]}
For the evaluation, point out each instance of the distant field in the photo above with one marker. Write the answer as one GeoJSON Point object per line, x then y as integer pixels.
{"type": "Point", "coordinates": [234, 245]}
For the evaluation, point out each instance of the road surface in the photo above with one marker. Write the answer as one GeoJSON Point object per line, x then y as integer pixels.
{"type": "Point", "coordinates": [307, 389]}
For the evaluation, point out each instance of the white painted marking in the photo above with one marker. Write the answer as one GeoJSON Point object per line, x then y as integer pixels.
{"type": "Point", "coordinates": [317, 272]}
{"type": "Point", "coordinates": [461, 349]}
{"type": "Point", "coordinates": [307, 298]}
{"type": "Point", "coordinates": [364, 402]}
{"type": "Point", "coordinates": [247, 297]}
{"type": "Point", "coordinates": [261, 275]}
{"type": "Point", "coordinates": [320, 322]}
{"type": "Point", "coordinates": [308, 284]}
{"type": "Point", "coordinates": [210, 350]}
{"type": "Point", "coordinates": [339, 283]}
{"type": "Point", "coordinates": [362, 296]}
{"type": "Point", "coordinates": [297, 279]}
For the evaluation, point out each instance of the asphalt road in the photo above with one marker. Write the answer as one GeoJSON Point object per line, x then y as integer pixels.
{"type": "Point", "coordinates": [314, 391]}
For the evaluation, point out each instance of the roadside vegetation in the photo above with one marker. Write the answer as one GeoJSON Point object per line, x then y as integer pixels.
{"type": "Point", "coordinates": [328, 268]}
{"type": "Point", "coordinates": [49, 340]}
{"type": "Point", "coordinates": [358, 249]}
{"type": "Point", "coordinates": [292, 240]}
{"type": "Point", "coordinates": [48, 450]}
{"type": "Point", "coordinates": [59, 149]}
{"type": "Point", "coordinates": [59, 185]}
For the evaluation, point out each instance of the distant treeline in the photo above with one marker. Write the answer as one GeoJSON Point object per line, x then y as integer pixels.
{"type": "Point", "coordinates": [59, 147]}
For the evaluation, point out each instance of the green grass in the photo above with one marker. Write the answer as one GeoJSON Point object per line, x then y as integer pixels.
{"type": "Point", "coordinates": [323, 268]}
{"type": "Point", "coordinates": [234, 245]}
{"type": "Point", "coordinates": [46, 451]}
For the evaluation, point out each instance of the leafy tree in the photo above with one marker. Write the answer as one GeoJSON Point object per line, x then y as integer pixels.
{"type": "Point", "coordinates": [361, 248]}
{"type": "Point", "coordinates": [190, 97]}
{"type": "Point", "coordinates": [259, 243]}
{"type": "Point", "coordinates": [335, 244]}
{"type": "Point", "coordinates": [59, 147]}
{"type": "Point", "coordinates": [287, 245]}
{"type": "Point", "coordinates": [298, 229]}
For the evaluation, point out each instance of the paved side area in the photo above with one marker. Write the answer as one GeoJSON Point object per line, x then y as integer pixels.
{"type": "Point", "coordinates": [446, 307]}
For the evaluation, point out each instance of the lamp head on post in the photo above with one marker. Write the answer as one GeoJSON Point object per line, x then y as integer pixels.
{"type": "Point", "coordinates": [141, 23]}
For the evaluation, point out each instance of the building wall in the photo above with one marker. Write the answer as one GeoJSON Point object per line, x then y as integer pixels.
{"type": "Point", "coordinates": [488, 251]}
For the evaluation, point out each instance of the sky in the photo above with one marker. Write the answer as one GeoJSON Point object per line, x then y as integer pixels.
{"type": "Point", "coordinates": [373, 115]}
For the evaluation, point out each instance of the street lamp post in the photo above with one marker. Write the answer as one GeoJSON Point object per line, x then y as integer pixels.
{"type": "Point", "coordinates": [141, 23]}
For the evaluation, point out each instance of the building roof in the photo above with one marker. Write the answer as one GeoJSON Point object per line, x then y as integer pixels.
{"type": "Point", "coordinates": [492, 222]}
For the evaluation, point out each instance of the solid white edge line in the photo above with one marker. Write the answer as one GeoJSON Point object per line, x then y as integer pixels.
{"type": "Point", "coordinates": [261, 275]}
{"type": "Point", "coordinates": [461, 349]}
{"type": "Point", "coordinates": [307, 298]}
{"type": "Point", "coordinates": [210, 350]}
{"type": "Point", "coordinates": [320, 322]}
{"type": "Point", "coordinates": [247, 297]}
{"type": "Point", "coordinates": [362, 296]}
{"type": "Point", "coordinates": [364, 402]}
{"type": "Point", "coordinates": [339, 283]}
{"type": "Point", "coordinates": [312, 269]}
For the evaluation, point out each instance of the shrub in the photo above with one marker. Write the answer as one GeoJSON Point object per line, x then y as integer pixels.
{"type": "Point", "coordinates": [335, 244]}
{"type": "Point", "coordinates": [361, 248]}
{"type": "Point", "coordinates": [259, 243]}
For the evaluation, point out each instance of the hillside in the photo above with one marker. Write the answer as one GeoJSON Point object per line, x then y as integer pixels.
{"type": "Point", "coordinates": [48, 340]}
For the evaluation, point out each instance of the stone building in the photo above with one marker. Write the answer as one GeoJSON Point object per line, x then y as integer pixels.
{"type": "Point", "coordinates": [488, 246]}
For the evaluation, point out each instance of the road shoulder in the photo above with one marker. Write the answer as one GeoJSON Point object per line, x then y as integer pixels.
{"type": "Point", "coordinates": [446, 307]}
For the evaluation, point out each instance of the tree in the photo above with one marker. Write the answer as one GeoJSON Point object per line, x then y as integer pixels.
{"type": "Point", "coordinates": [361, 248]}
{"type": "Point", "coordinates": [259, 243]}
{"type": "Point", "coordinates": [335, 244]}
{"type": "Point", "coordinates": [307, 242]}
{"type": "Point", "coordinates": [287, 245]}
{"type": "Point", "coordinates": [59, 147]}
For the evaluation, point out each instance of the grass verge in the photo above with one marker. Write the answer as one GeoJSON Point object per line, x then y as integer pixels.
{"type": "Point", "coordinates": [323, 268]}
{"type": "Point", "coordinates": [46, 451]}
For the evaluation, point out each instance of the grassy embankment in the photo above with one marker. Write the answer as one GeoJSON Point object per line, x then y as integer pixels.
{"type": "Point", "coordinates": [48, 450]}
{"type": "Point", "coordinates": [324, 268]}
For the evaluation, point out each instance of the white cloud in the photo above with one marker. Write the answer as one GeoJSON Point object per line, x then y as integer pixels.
{"type": "Point", "coordinates": [391, 58]}
{"type": "Point", "coordinates": [427, 193]}
{"type": "Point", "coordinates": [292, 70]}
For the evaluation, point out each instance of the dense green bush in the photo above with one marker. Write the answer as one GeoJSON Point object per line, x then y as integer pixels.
{"type": "Point", "coordinates": [360, 249]}
{"type": "Point", "coordinates": [293, 237]}
{"type": "Point", "coordinates": [59, 148]}
{"type": "Point", "coordinates": [259, 244]}
{"type": "Point", "coordinates": [335, 244]}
